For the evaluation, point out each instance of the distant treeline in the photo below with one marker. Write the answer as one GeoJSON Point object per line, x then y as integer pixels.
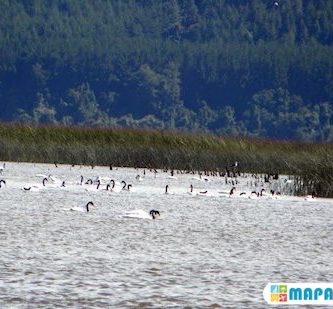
{"type": "Point", "coordinates": [236, 67]}
{"type": "Point", "coordinates": [311, 164]}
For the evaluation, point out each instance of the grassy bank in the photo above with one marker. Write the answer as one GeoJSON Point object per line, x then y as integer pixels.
{"type": "Point", "coordinates": [312, 164]}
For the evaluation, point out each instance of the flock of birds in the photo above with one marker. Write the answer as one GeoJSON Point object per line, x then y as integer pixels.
{"type": "Point", "coordinates": [261, 186]}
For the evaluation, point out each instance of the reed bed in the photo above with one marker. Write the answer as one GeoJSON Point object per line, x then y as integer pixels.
{"type": "Point", "coordinates": [311, 164]}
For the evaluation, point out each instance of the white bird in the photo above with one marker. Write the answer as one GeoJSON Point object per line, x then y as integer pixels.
{"type": "Point", "coordinates": [166, 190]}
{"type": "Point", "coordinates": [253, 195]}
{"type": "Point", "coordinates": [191, 192]}
{"type": "Point", "coordinates": [141, 214]}
{"type": "Point", "coordinates": [55, 180]}
{"type": "Point", "coordinates": [93, 189]}
{"type": "Point", "coordinates": [82, 209]}
{"type": "Point", "coordinates": [115, 186]}
{"type": "Point", "coordinates": [202, 193]}
{"type": "Point", "coordinates": [126, 188]}
{"type": "Point", "coordinates": [2, 182]}
{"type": "Point", "coordinates": [36, 187]}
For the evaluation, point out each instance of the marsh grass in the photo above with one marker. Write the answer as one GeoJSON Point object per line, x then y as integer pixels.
{"type": "Point", "coordinates": [311, 164]}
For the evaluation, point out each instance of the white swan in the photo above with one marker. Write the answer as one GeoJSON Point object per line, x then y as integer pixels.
{"type": "Point", "coordinates": [126, 187]}
{"type": "Point", "coordinates": [311, 197]}
{"type": "Point", "coordinates": [205, 179]}
{"type": "Point", "coordinates": [114, 187]}
{"type": "Point", "coordinates": [2, 182]}
{"type": "Point", "coordinates": [93, 189]}
{"type": "Point", "coordinates": [254, 195]}
{"type": "Point", "coordinates": [55, 180]}
{"type": "Point", "coordinates": [36, 187]}
{"type": "Point", "coordinates": [166, 190]}
{"type": "Point", "coordinates": [141, 214]}
{"type": "Point", "coordinates": [202, 193]}
{"type": "Point", "coordinates": [231, 193]}
{"type": "Point", "coordinates": [139, 177]}
{"type": "Point", "coordinates": [82, 209]}
{"type": "Point", "coordinates": [191, 191]}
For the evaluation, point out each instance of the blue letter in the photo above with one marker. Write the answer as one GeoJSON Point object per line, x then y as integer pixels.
{"type": "Point", "coordinates": [328, 294]}
{"type": "Point", "coordinates": [295, 294]}
{"type": "Point", "coordinates": [318, 292]}
{"type": "Point", "coordinates": [308, 294]}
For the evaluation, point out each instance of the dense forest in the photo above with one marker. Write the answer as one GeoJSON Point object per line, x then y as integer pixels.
{"type": "Point", "coordinates": [234, 67]}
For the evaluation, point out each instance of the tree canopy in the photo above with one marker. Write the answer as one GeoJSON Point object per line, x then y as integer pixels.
{"type": "Point", "coordinates": [235, 67]}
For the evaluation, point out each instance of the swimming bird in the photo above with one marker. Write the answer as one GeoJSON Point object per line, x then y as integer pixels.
{"type": "Point", "coordinates": [81, 180]}
{"type": "Point", "coordinates": [171, 176]}
{"type": "Point", "coordinates": [191, 192]}
{"type": "Point", "coordinates": [141, 214]}
{"type": "Point", "coordinates": [154, 213]}
{"type": "Point", "coordinates": [123, 182]}
{"type": "Point", "coordinates": [2, 182]}
{"type": "Point", "coordinates": [128, 188]}
{"type": "Point", "coordinates": [83, 209]}
{"type": "Point", "coordinates": [114, 188]}
{"type": "Point", "coordinates": [93, 188]}
{"type": "Point", "coordinates": [89, 181]}
{"type": "Point", "coordinates": [107, 187]}
{"type": "Point", "coordinates": [253, 195]}
{"type": "Point", "coordinates": [202, 193]}
{"type": "Point", "coordinates": [307, 198]}
{"type": "Point", "coordinates": [232, 191]}
{"type": "Point", "coordinates": [37, 187]}
{"type": "Point", "coordinates": [44, 181]}
{"type": "Point", "coordinates": [167, 190]}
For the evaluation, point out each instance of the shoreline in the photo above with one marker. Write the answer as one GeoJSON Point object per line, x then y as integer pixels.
{"type": "Point", "coordinates": [311, 164]}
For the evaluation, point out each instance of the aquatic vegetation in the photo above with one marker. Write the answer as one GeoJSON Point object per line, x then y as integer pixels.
{"type": "Point", "coordinates": [310, 164]}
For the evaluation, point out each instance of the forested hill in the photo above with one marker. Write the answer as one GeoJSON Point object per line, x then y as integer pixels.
{"type": "Point", "coordinates": [234, 67]}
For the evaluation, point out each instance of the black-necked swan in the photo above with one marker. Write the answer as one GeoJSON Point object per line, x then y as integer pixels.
{"type": "Point", "coordinates": [2, 182]}
{"type": "Point", "coordinates": [93, 188]}
{"type": "Point", "coordinates": [254, 195]}
{"type": "Point", "coordinates": [45, 180]}
{"type": "Point", "coordinates": [124, 185]}
{"type": "Point", "coordinates": [126, 188]}
{"type": "Point", "coordinates": [37, 187]}
{"type": "Point", "coordinates": [232, 191]}
{"type": "Point", "coordinates": [141, 214]}
{"type": "Point", "coordinates": [83, 209]}
{"type": "Point", "coordinates": [154, 213]}
{"type": "Point", "coordinates": [191, 192]}
{"type": "Point", "coordinates": [114, 188]}
{"type": "Point", "coordinates": [311, 197]}
{"type": "Point", "coordinates": [167, 190]}
{"type": "Point", "coordinates": [89, 181]}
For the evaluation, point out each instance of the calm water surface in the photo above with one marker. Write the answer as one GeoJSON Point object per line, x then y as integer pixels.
{"type": "Point", "coordinates": [204, 251]}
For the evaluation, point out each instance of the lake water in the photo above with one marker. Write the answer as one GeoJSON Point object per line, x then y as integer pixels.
{"type": "Point", "coordinates": [205, 250]}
